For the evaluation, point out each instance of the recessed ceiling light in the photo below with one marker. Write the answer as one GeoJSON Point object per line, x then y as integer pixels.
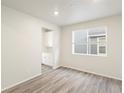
{"type": "Point", "coordinates": [56, 13]}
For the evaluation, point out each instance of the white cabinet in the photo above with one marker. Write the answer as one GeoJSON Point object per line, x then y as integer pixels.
{"type": "Point", "coordinates": [47, 59]}
{"type": "Point", "coordinates": [49, 39]}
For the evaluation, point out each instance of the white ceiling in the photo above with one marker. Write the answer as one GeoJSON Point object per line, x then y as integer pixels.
{"type": "Point", "coordinates": [70, 11]}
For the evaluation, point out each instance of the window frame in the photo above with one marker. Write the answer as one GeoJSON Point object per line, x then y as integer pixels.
{"type": "Point", "coordinates": [87, 53]}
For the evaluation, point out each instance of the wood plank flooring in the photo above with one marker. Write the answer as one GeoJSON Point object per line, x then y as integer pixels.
{"type": "Point", "coordinates": [45, 68]}
{"type": "Point", "coordinates": [65, 80]}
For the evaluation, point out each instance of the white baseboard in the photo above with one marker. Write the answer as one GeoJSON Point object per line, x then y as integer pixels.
{"type": "Point", "coordinates": [93, 72]}
{"type": "Point", "coordinates": [20, 82]}
{"type": "Point", "coordinates": [55, 67]}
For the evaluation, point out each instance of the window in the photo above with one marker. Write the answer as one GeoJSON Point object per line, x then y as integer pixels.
{"type": "Point", "coordinates": [89, 41]}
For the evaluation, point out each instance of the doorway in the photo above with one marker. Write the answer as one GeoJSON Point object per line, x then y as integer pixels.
{"type": "Point", "coordinates": [47, 50]}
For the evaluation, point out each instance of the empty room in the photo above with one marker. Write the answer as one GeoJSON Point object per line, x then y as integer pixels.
{"type": "Point", "coordinates": [61, 46]}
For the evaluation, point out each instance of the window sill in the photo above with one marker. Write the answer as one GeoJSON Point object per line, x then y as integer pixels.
{"type": "Point", "coordinates": [101, 55]}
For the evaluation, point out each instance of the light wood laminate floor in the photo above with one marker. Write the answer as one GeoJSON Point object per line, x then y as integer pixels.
{"type": "Point", "coordinates": [65, 80]}
{"type": "Point", "coordinates": [45, 68]}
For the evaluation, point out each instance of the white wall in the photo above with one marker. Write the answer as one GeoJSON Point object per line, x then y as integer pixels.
{"type": "Point", "coordinates": [56, 48]}
{"type": "Point", "coordinates": [108, 66]}
{"type": "Point", "coordinates": [21, 46]}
